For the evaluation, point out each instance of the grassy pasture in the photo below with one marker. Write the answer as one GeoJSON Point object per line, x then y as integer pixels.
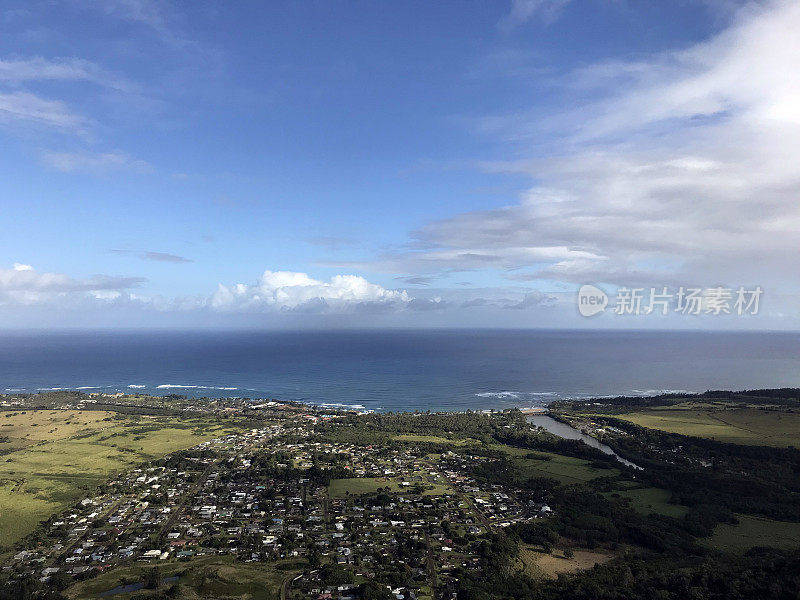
{"type": "Point", "coordinates": [538, 565]}
{"type": "Point", "coordinates": [69, 453]}
{"type": "Point", "coordinates": [651, 500]}
{"type": "Point", "coordinates": [754, 531]}
{"type": "Point", "coordinates": [339, 488]}
{"type": "Point", "coordinates": [433, 439]}
{"type": "Point", "coordinates": [565, 469]}
{"type": "Point", "coordinates": [21, 429]}
{"type": "Point", "coordinates": [749, 426]}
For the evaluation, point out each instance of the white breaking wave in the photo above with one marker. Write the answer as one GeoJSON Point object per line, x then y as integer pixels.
{"type": "Point", "coordinates": [511, 395]}
{"type": "Point", "coordinates": [660, 392]}
{"type": "Point", "coordinates": [167, 386]}
{"type": "Point", "coordinates": [504, 395]}
{"type": "Point", "coordinates": [339, 405]}
{"type": "Point", "coordinates": [134, 386]}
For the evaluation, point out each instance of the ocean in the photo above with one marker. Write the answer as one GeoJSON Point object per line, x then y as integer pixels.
{"type": "Point", "coordinates": [399, 369]}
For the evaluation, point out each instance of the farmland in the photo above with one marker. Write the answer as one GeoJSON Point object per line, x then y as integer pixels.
{"type": "Point", "coordinates": [53, 457]}
{"type": "Point", "coordinates": [750, 426]}
{"type": "Point", "coordinates": [754, 531]}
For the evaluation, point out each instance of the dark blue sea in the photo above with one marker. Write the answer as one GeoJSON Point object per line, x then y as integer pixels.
{"type": "Point", "coordinates": [397, 369]}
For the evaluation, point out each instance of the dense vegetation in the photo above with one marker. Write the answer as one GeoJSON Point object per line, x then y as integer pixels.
{"type": "Point", "coordinates": [713, 480]}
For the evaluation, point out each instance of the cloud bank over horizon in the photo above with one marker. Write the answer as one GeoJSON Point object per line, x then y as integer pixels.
{"type": "Point", "coordinates": [289, 291]}
{"type": "Point", "coordinates": [274, 292]}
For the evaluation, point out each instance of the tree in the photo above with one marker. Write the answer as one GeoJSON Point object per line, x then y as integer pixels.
{"type": "Point", "coordinates": [152, 578]}
{"type": "Point", "coordinates": [314, 558]}
{"type": "Point", "coordinates": [372, 590]}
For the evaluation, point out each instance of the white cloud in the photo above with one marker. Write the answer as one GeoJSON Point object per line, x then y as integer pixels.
{"type": "Point", "coordinates": [71, 162]}
{"type": "Point", "coordinates": [290, 291]}
{"type": "Point", "coordinates": [524, 10]}
{"type": "Point", "coordinates": [684, 170]}
{"type": "Point", "coordinates": [165, 257]}
{"type": "Point", "coordinates": [27, 108]}
{"type": "Point", "coordinates": [38, 68]}
{"type": "Point", "coordinates": [155, 15]}
{"type": "Point", "coordinates": [24, 107]}
{"type": "Point", "coordinates": [24, 285]}
{"type": "Point", "coordinates": [274, 292]}
{"type": "Point", "coordinates": [146, 12]}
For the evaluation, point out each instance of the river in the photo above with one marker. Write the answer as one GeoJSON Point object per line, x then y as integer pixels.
{"type": "Point", "coordinates": [568, 432]}
{"type": "Point", "coordinates": [131, 587]}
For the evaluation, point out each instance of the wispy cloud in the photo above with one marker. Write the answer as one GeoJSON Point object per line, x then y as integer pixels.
{"type": "Point", "coordinates": [152, 255]}
{"type": "Point", "coordinates": [25, 108]}
{"type": "Point", "coordinates": [525, 10]}
{"type": "Point", "coordinates": [23, 105]}
{"type": "Point", "coordinates": [165, 257]}
{"type": "Point", "coordinates": [60, 69]}
{"type": "Point", "coordinates": [155, 15]}
{"type": "Point", "coordinates": [417, 279]}
{"type": "Point", "coordinates": [97, 163]}
{"type": "Point", "coordinates": [147, 12]}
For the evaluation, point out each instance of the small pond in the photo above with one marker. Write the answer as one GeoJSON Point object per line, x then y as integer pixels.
{"type": "Point", "coordinates": [131, 587]}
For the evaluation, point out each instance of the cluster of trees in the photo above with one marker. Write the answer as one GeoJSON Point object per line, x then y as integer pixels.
{"type": "Point", "coordinates": [468, 423]}
{"type": "Point", "coordinates": [762, 574]}
{"type": "Point", "coordinates": [787, 397]}
{"type": "Point", "coordinates": [756, 480]}
{"type": "Point", "coordinates": [279, 467]}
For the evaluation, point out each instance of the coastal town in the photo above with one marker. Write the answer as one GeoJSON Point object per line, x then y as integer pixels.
{"type": "Point", "coordinates": [136, 497]}
{"type": "Point", "coordinates": [335, 514]}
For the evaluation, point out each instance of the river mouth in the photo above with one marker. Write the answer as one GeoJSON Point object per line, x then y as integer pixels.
{"type": "Point", "coordinates": [568, 432]}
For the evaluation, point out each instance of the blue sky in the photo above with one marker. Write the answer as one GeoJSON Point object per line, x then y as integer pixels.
{"type": "Point", "coordinates": [423, 164]}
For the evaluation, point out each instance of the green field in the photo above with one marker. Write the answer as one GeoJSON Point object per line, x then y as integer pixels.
{"type": "Point", "coordinates": [433, 439]}
{"type": "Point", "coordinates": [750, 426]}
{"type": "Point", "coordinates": [211, 576]}
{"type": "Point", "coordinates": [340, 488]}
{"type": "Point", "coordinates": [67, 454]}
{"type": "Point", "coordinates": [651, 500]}
{"type": "Point", "coordinates": [754, 531]}
{"type": "Point", "coordinates": [565, 469]}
